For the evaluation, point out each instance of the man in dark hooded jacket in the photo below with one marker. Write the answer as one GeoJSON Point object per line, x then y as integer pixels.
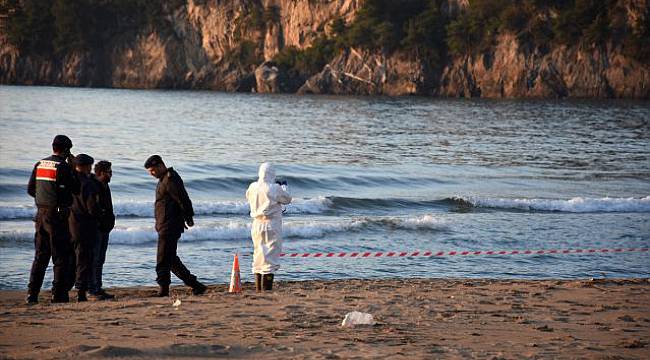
{"type": "Point", "coordinates": [52, 185]}
{"type": "Point", "coordinates": [173, 211]}
{"type": "Point", "coordinates": [84, 222]}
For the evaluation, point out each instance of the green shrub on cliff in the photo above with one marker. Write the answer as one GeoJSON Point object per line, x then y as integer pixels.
{"type": "Point", "coordinates": [416, 27]}
{"type": "Point", "coordinates": [69, 31]}
{"type": "Point", "coordinates": [476, 28]}
{"type": "Point", "coordinates": [541, 24]}
{"type": "Point", "coordinates": [383, 24]}
{"type": "Point", "coordinates": [424, 34]}
{"type": "Point", "coordinates": [46, 27]}
{"type": "Point", "coordinates": [308, 61]}
{"type": "Point", "coordinates": [30, 25]}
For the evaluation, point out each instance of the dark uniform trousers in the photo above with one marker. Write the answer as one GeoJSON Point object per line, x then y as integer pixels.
{"type": "Point", "coordinates": [83, 242]}
{"type": "Point", "coordinates": [51, 240]}
{"type": "Point", "coordinates": [98, 260]}
{"type": "Point", "coordinates": [167, 260]}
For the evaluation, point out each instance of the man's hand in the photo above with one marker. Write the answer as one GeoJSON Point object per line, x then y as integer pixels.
{"type": "Point", "coordinates": [189, 223]}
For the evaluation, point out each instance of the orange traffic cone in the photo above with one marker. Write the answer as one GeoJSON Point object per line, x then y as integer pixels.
{"type": "Point", "coordinates": [235, 279]}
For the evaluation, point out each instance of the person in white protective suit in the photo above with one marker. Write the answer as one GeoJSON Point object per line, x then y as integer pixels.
{"type": "Point", "coordinates": [266, 198]}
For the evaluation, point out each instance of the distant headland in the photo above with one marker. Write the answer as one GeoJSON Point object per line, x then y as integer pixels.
{"type": "Point", "coordinates": [445, 48]}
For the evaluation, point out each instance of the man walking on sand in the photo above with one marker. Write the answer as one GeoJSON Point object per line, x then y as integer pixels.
{"type": "Point", "coordinates": [174, 213]}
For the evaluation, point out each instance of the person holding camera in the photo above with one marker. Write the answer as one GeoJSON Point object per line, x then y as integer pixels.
{"type": "Point", "coordinates": [266, 197]}
{"type": "Point", "coordinates": [52, 185]}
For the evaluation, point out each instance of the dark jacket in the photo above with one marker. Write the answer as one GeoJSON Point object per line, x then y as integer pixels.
{"type": "Point", "coordinates": [85, 210]}
{"type": "Point", "coordinates": [173, 206]}
{"type": "Point", "coordinates": [52, 183]}
{"type": "Point", "coordinates": [106, 216]}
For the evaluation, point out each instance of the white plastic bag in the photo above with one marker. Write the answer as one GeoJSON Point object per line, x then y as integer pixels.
{"type": "Point", "coordinates": [357, 318]}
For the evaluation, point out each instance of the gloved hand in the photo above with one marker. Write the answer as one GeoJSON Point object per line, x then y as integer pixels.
{"type": "Point", "coordinates": [189, 223]}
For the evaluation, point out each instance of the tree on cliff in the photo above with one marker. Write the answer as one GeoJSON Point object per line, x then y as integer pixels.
{"type": "Point", "coordinates": [30, 25]}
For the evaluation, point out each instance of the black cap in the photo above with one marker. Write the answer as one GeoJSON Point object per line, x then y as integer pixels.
{"type": "Point", "coordinates": [62, 141]}
{"type": "Point", "coordinates": [152, 161]}
{"type": "Point", "coordinates": [83, 159]}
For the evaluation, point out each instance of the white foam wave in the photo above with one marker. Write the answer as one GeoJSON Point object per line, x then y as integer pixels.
{"type": "Point", "coordinates": [574, 205]}
{"type": "Point", "coordinates": [428, 221]}
{"type": "Point", "coordinates": [240, 229]}
{"type": "Point", "coordinates": [145, 208]}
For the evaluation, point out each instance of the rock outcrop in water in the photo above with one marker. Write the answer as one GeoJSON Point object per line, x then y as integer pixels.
{"type": "Point", "coordinates": [230, 45]}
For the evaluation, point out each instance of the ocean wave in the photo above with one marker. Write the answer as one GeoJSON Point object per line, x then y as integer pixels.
{"type": "Point", "coordinates": [16, 181]}
{"type": "Point", "coordinates": [573, 205]}
{"type": "Point", "coordinates": [323, 205]}
{"type": "Point", "coordinates": [317, 205]}
{"type": "Point", "coordinates": [238, 230]}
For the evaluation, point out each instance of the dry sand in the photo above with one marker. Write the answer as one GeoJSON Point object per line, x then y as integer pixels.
{"type": "Point", "coordinates": [608, 319]}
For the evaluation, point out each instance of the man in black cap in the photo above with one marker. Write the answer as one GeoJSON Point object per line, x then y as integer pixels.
{"type": "Point", "coordinates": [52, 185]}
{"type": "Point", "coordinates": [173, 211]}
{"type": "Point", "coordinates": [103, 175]}
{"type": "Point", "coordinates": [84, 222]}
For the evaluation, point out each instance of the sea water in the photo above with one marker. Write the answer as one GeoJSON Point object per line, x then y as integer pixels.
{"type": "Point", "coordinates": [367, 174]}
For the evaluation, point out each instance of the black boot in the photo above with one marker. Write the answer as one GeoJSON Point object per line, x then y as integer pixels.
{"type": "Point", "coordinates": [81, 296]}
{"type": "Point", "coordinates": [164, 291]}
{"type": "Point", "coordinates": [198, 288]}
{"type": "Point", "coordinates": [258, 282]}
{"type": "Point", "coordinates": [267, 282]}
{"type": "Point", "coordinates": [106, 295]}
{"type": "Point", "coordinates": [31, 299]}
{"type": "Point", "coordinates": [61, 297]}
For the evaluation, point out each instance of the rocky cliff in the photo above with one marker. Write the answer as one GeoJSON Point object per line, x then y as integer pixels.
{"type": "Point", "coordinates": [230, 45]}
{"type": "Point", "coordinates": [201, 45]}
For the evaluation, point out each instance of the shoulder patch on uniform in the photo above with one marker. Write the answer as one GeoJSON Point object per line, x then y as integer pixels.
{"type": "Point", "coordinates": [46, 170]}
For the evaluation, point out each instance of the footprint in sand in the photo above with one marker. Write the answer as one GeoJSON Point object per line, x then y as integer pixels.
{"type": "Point", "coordinates": [626, 318]}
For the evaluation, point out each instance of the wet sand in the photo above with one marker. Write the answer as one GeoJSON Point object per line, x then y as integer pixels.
{"type": "Point", "coordinates": [601, 319]}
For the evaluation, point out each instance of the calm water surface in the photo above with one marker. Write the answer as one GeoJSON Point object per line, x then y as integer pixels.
{"type": "Point", "coordinates": [367, 174]}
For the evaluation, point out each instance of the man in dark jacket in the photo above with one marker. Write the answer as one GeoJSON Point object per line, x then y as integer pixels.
{"type": "Point", "coordinates": [84, 222]}
{"type": "Point", "coordinates": [52, 185]}
{"type": "Point", "coordinates": [173, 211]}
{"type": "Point", "coordinates": [103, 175]}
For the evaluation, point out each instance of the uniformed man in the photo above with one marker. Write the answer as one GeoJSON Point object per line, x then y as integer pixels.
{"type": "Point", "coordinates": [52, 185]}
{"type": "Point", "coordinates": [103, 175]}
{"type": "Point", "coordinates": [174, 213]}
{"type": "Point", "coordinates": [84, 223]}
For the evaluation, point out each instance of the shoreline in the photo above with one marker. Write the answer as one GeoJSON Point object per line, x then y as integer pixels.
{"type": "Point", "coordinates": [423, 97]}
{"type": "Point", "coordinates": [416, 318]}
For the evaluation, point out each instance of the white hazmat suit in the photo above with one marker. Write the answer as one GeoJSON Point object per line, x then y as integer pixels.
{"type": "Point", "coordinates": [266, 198]}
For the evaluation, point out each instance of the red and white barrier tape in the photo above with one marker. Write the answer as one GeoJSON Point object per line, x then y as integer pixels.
{"type": "Point", "coordinates": [456, 253]}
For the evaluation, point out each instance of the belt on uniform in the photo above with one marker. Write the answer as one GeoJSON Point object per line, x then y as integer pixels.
{"type": "Point", "coordinates": [59, 209]}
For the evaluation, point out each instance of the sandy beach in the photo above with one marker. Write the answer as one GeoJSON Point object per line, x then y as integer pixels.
{"type": "Point", "coordinates": [415, 319]}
